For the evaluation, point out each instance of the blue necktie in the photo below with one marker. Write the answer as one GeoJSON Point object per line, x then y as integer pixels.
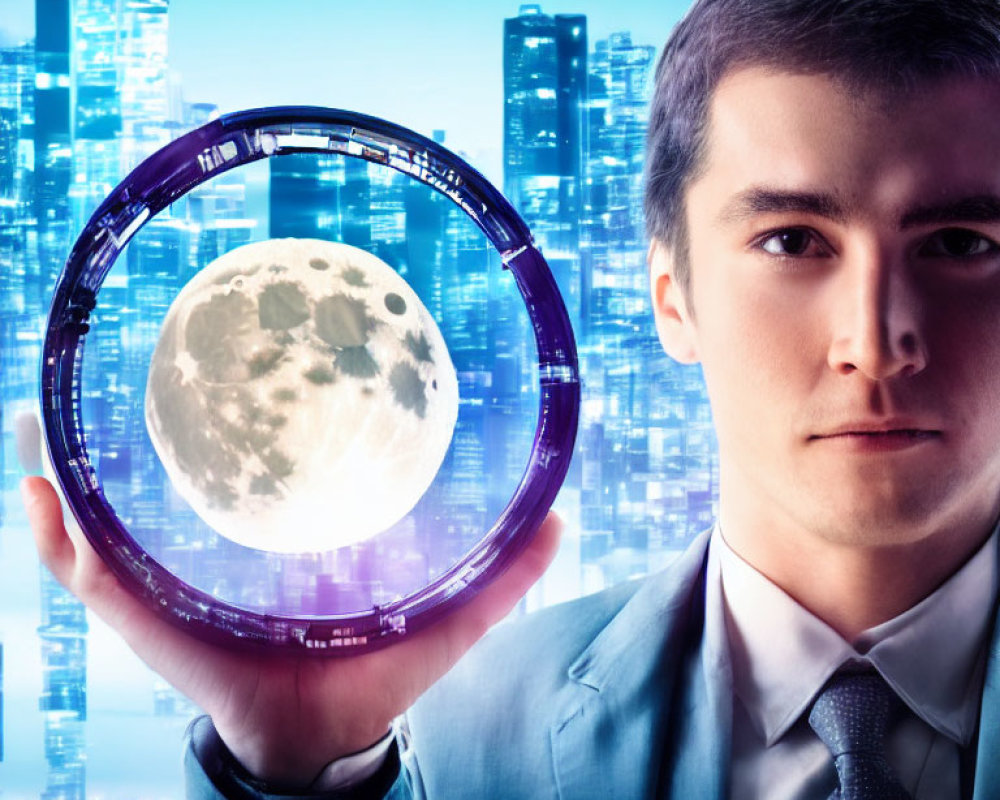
{"type": "Point", "coordinates": [851, 716]}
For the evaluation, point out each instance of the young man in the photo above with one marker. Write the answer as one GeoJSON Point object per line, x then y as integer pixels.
{"type": "Point", "coordinates": [824, 204]}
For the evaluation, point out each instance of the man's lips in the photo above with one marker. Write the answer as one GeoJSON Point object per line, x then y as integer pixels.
{"type": "Point", "coordinates": [879, 435]}
{"type": "Point", "coordinates": [878, 428]}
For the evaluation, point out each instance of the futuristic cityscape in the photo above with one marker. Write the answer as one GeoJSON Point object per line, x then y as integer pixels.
{"type": "Point", "coordinates": [88, 99]}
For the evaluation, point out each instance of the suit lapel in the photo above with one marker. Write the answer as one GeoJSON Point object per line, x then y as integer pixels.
{"type": "Point", "coordinates": [699, 756]}
{"type": "Point", "coordinates": [644, 710]}
{"type": "Point", "coordinates": [987, 781]}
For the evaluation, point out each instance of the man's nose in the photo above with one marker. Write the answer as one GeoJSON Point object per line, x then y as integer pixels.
{"type": "Point", "coordinates": [877, 321]}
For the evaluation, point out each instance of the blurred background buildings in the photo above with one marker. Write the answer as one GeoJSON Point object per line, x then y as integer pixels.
{"type": "Point", "coordinates": [92, 95]}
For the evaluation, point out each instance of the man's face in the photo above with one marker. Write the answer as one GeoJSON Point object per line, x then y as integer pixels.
{"type": "Point", "coordinates": [845, 305]}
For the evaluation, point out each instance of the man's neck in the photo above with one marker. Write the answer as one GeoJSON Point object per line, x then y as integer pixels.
{"type": "Point", "coordinates": [849, 586]}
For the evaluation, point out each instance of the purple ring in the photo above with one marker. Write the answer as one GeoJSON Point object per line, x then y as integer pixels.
{"type": "Point", "coordinates": [227, 142]}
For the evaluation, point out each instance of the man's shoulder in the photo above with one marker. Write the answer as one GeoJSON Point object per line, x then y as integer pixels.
{"type": "Point", "coordinates": [557, 633]}
{"type": "Point", "coordinates": [482, 730]}
{"type": "Point", "coordinates": [531, 656]}
{"type": "Point", "coordinates": [490, 719]}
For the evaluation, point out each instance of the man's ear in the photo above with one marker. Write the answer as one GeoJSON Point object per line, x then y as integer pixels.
{"type": "Point", "coordinates": [674, 322]}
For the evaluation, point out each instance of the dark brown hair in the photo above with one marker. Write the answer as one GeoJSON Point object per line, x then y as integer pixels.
{"type": "Point", "coordinates": [889, 46]}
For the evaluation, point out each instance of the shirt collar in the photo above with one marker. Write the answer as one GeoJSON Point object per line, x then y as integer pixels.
{"type": "Point", "coordinates": [782, 654]}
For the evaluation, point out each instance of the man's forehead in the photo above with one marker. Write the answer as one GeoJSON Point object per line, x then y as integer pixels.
{"type": "Point", "coordinates": [862, 92]}
{"type": "Point", "coordinates": [800, 141]}
{"type": "Point", "coordinates": [753, 95]}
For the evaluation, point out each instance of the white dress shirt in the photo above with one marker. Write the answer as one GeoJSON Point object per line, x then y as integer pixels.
{"type": "Point", "coordinates": [932, 656]}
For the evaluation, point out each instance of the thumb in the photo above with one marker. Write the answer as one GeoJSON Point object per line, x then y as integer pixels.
{"type": "Point", "coordinates": [64, 549]}
{"type": "Point", "coordinates": [45, 515]}
{"type": "Point", "coordinates": [33, 456]}
{"type": "Point", "coordinates": [497, 599]}
{"type": "Point", "coordinates": [446, 641]}
{"type": "Point", "coordinates": [28, 436]}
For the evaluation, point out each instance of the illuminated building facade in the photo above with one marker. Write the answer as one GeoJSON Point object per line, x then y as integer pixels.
{"type": "Point", "coordinates": [63, 703]}
{"type": "Point", "coordinates": [21, 284]}
{"type": "Point", "coordinates": [544, 141]}
{"type": "Point", "coordinates": [148, 99]}
{"type": "Point", "coordinates": [53, 136]}
{"type": "Point", "coordinates": [97, 124]}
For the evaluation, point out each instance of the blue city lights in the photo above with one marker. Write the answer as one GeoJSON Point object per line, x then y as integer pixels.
{"type": "Point", "coordinates": [92, 95]}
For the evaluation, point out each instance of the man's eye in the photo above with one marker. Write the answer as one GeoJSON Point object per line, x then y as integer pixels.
{"type": "Point", "coordinates": [958, 243]}
{"type": "Point", "coordinates": [791, 242]}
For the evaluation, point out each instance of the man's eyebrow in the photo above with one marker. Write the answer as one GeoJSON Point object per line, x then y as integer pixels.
{"type": "Point", "coordinates": [975, 208]}
{"type": "Point", "coordinates": [764, 200]}
{"type": "Point", "coordinates": [984, 207]}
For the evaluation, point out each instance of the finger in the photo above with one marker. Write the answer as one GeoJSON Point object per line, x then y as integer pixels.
{"type": "Point", "coordinates": [28, 436]}
{"type": "Point", "coordinates": [77, 566]}
{"type": "Point", "coordinates": [62, 546]}
{"type": "Point", "coordinates": [45, 515]}
{"type": "Point", "coordinates": [34, 458]}
{"type": "Point", "coordinates": [441, 645]}
{"type": "Point", "coordinates": [497, 599]}
{"type": "Point", "coordinates": [35, 447]}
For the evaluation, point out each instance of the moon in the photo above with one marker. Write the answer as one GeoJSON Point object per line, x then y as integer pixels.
{"type": "Point", "coordinates": [300, 396]}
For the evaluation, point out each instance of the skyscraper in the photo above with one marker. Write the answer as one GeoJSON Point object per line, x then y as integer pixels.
{"type": "Point", "coordinates": [97, 123]}
{"type": "Point", "coordinates": [63, 703]}
{"type": "Point", "coordinates": [146, 93]}
{"type": "Point", "coordinates": [63, 629]}
{"type": "Point", "coordinates": [646, 447]}
{"type": "Point", "coordinates": [613, 236]}
{"type": "Point", "coordinates": [544, 142]}
{"type": "Point", "coordinates": [21, 296]}
{"type": "Point", "coordinates": [53, 152]}
{"type": "Point", "coordinates": [321, 197]}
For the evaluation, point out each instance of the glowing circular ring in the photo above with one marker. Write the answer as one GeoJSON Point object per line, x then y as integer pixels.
{"type": "Point", "coordinates": [230, 141]}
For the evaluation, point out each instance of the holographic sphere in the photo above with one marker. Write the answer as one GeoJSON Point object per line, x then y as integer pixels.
{"type": "Point", "coordinates": [300, 396]}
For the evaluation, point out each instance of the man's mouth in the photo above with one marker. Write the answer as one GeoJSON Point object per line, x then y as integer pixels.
{"type": "Point", "coordinates": [878, 436]}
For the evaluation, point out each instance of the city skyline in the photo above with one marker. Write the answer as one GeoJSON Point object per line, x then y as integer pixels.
{"type": "Point", "coordinates": [443, 75]}
{"type": "Point", "coordinates": [644, 473]}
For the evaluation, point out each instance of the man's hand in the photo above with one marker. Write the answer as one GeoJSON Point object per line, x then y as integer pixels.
{"type": "Point", "coordinates": [284, 717]}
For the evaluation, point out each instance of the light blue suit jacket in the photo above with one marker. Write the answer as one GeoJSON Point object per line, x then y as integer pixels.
{"type": "Point", "coordinates": [610, 696]}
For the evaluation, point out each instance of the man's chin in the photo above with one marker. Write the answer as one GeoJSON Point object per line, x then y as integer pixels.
{"type": "Point", "coordinates": [882, 516]}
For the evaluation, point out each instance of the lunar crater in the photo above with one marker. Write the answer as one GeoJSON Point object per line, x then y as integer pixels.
{"type": "Point", "coordinates": [419, 347]}
{"type": "Point", "coordinates": [282, 306]}
{"type": "Point", "coordinates": [343, 321]}
{"type": "Point", "coordinates": [353, 276]}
